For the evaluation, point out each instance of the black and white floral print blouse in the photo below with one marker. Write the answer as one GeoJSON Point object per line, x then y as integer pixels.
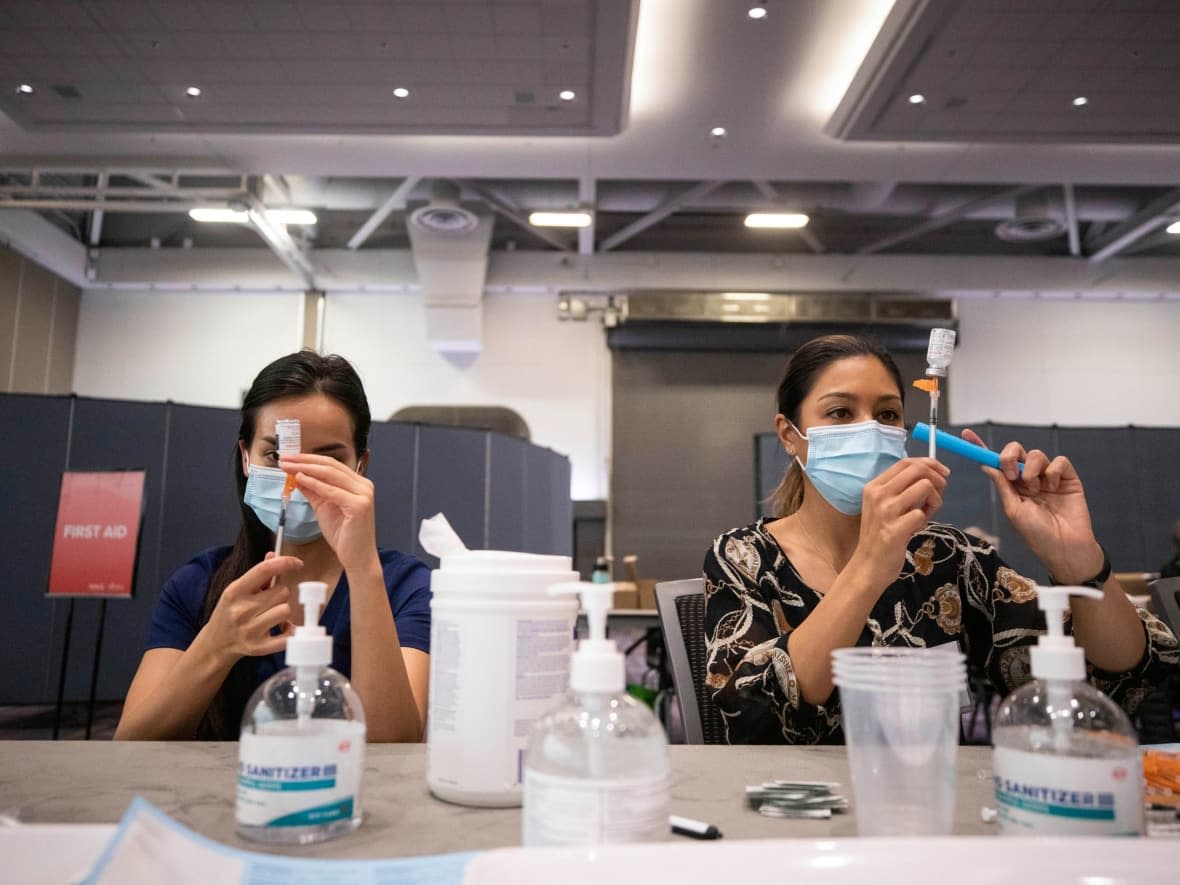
{"type": "Point", "coordinates": [953, 588]}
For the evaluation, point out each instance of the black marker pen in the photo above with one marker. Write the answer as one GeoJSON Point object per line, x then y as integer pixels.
{"type": "Point", "coordinates": [695, 829]}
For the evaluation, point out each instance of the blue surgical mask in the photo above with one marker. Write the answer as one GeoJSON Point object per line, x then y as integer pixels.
{"type": "Point", "coordinates": [843, 458]}
{"type": "Point", "coordinates": [264, 495]}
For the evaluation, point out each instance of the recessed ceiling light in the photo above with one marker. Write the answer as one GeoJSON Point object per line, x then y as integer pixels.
{"type": "Point", "coordinates": [777, 220]}
{"type": "Point", "coordinates": [917, 98]}
{"type": "Point", "coordinates": [567, 95]}
{"type": "Point", "coordinates": [756, 12]}
{"type": "Point", "coordinates": [560, 219]}
{"type": "Point", "coordinates": [718, 132]}
{"type": "Point", "coordinates": [401, 92]}
{"type": "Point", "coordinates": [24, 89]}
{"type": "Point", "coordinates": [193, 91]}
{"type": "Point", "coordinates": [1173, 228]}
{"type": "Point", "coordinates": [1080, 101]}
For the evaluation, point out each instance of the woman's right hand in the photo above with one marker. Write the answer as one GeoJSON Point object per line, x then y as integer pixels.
{"type": "Point", "coordinates": [249, 608]}
{"type": "Point", "coordinates": [896, 506]}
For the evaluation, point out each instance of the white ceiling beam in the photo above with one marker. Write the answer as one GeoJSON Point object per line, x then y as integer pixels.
{"type": "Point", "coordinates": [395, 202]}
{"type": "Point", "coordinates": [45, 243]}
{"type": "Point", "coordinates": [1143, 222]}
{"type": "Point", "coordinates": [588, 200]}
{"type": "Point", "coordinates": [388, 270]}
{"type": "Point", "coordinates": [96, 214]}
{"type": "Point", "coordinates": [146, 179]}
{"type": "Point", "coordinates": [1071, 220]}
{"type": "Point", "coordinates": [276, 237]}
{"type": "Point", "coordinates": [950, 216]}
{"type": "Point", "coordinates": [655, 216]}
{"type": "Point", "coordinates": [766, 189]}
{"type": "Point", "coordinates": [503, 206]}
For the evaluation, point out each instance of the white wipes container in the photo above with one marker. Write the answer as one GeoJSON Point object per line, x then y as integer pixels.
{"type": "Point", "coordinates": [499, 659]}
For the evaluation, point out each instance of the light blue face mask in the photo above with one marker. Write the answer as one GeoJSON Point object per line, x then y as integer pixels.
{"type": "Point", "coordinates": [264, 495]}
{"type": "Point", "coordinates": [843, 458]}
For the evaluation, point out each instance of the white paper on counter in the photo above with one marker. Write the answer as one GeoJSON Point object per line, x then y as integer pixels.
{"type": "Point", "coordinates": [150, 847]}
{"type": "Point", "coordinates": [51, 854]}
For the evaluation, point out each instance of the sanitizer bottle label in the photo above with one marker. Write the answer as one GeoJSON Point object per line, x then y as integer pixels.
{"type": "Point", "coordinates": [570, 811]}
{"type": "Point", "coordinates": [1091, 796]}
{"type": "Point", "coordinates": [297, 780]}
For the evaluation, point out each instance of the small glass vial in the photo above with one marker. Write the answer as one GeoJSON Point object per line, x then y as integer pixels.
{"type": "Point", "coordinates": [302, 749]}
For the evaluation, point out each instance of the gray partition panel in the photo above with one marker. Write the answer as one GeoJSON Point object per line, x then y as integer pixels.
{"type": "Point", "coordinates": [1110, 482]}
{"type": "Point", "coordinates": [111, 435]}
{"type": "Point", "coordinates": [200, 507]}
{"type": "Point", "coordinates": [452, 479]}
{"type": "Point", "coordinates": [770, 463]}
{"type": "Point", "coordinates": [1157, 488]}
{"type": "Point", "coordinates": [36, 431]}
{"type": "Point", "coordinates": [507, 489]}
{"type": "Point", "coordinates": [392, 450]}
{"type": "Point", "coordinates": [548, 510]}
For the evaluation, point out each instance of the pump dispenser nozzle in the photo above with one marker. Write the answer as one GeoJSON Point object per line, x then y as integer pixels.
{"type": "Point", "coordinates": [1056, 656]}
{"type": "Point", "coordinates": [597, 665]}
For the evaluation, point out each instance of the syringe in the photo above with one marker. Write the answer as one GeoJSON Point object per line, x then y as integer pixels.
{"type": "Point", "coordinates": [288, 439]}
{"type": "Point", "coordinates": [938, 358]}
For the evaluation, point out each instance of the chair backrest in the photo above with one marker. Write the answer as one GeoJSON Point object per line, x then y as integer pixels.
{"type": "Point", "coordinates": [681, 605]}
{"type": "Point", "coordinates": [1167, 606]}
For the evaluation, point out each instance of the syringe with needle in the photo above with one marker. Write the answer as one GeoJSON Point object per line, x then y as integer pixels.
{"type": "Point", "coordinates": [288, 439]}
{"type": "Point", "coordinates": [938, 358]}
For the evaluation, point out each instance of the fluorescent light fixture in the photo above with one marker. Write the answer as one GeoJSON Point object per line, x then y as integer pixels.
{"type": "Point", "coordinates": [401, 92]}
{"type": "Point", "coordinates": [567, 95]}
{"type": "Point", "coordinates": [291, 216]}
{"type": "Point", "coordinates": [746, 296]}
{"type": "Point", "coordinates": [777, 220]}
{"type": "Point", "coordinates": [1081, 101]}
{"type": "Point", "coordinates": [560, 219]}
{"type": "Point", "coordinates": [757, 12]}
{"type": "Point", "coordinates": [193, 91]}
{"type": "Point", "coordinates": [917, 98]}
{"type": "Point", "coordinates": [24, 89]}
{"type": "Point", "coordinates": [718, 132]}
{"type": "Point", "coordinates": [1173, 228]}
{"type": "Point", "coordinates": [223, 216]}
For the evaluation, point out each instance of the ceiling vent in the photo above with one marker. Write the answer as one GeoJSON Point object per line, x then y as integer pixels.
{"type": "Point", "coordinates": [1036, 220]}
{"type": "Point", "coordinates": [443, 214]}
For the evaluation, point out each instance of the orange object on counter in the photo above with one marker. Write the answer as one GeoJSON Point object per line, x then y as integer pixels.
{"type": "Point", "coordinates": [930, 385]}
{"type": "Point", "coordinates": [1161, 776]}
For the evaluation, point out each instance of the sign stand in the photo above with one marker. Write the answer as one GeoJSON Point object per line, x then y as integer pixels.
{"type": "Point", "coordinates": [95, 552]}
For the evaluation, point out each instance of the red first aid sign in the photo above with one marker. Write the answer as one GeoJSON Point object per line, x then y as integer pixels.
{"type": "Point", "coordinates": [97, 533]}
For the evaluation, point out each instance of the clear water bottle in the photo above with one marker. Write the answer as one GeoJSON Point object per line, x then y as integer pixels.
{"type": "Point", "coordinates": [302, 749]}
{"type": "Point", "coordinates": [596, 767]}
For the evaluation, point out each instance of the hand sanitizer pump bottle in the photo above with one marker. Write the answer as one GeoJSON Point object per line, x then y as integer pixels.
{"type": "Point", "coordinates": [1066, 757]}
{"type": "Point", "coordinates": [596, 767]}
{"type": "Point", "coordinates": [302, 748]}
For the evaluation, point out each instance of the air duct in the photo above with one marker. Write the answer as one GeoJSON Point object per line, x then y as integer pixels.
{"type": "Point", "coordinates": [1036, 219]}
{"type": "Point", "coordinates": [450, 245]}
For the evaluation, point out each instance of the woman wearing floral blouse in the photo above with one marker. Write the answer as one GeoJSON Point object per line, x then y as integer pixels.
{"type": "Point", "coordinates": [852, 558]}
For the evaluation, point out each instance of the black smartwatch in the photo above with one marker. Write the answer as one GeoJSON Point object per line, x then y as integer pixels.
{"type": "Point", "coordinates": [1098, 580]}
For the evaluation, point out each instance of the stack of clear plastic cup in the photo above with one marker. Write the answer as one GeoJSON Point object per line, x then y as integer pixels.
{"type": "Point", "coordinates": [901, 709]}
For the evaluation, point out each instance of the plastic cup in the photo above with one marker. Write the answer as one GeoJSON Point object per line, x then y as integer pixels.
{"type": "Point", "coordinates": [901, 729]}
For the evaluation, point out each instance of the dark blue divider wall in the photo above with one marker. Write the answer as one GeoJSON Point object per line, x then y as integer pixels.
{"type": "Point", "coordinates": [1129, 474]}
{"type": "Point", "coordinates": [496, 491]}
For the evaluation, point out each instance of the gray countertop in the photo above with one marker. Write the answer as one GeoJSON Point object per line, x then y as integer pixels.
{"type": "Point", "coordinates": [93, 782]}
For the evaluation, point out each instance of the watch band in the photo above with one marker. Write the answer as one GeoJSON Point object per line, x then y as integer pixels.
{"type": "Point", "coordinates": [1098, 580]}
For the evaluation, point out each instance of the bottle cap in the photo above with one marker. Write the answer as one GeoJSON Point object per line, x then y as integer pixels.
{"type": "Point", "coordinates": [598, 665]}
{"type": "Point", "coordinates": [1056, 656]}
{"type": "Point", "coordinates": [310, 646]}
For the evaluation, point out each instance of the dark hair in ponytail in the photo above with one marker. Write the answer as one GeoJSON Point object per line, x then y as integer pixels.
{"type": "Point", "coordinates": [803, 368]}
{"type": "Point", "coordinates": [297, 374]}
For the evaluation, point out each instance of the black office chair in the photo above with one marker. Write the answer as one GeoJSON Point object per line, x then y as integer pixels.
{"type": "Point", "coordinates": [1164, 593]}
{"type": "Point", "coordinates": [681, 605]}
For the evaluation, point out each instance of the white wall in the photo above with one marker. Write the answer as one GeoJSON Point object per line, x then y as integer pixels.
{"type": "Point", "coordinates": [1080, 363]}
{"type": "Point", "coordinates": [201, 349]}
{"type": "Point", "coordinates": [204, 349]}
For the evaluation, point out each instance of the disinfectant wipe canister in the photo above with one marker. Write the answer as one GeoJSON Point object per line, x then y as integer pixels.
{"type": "Point", "coordinates": [499, 659]}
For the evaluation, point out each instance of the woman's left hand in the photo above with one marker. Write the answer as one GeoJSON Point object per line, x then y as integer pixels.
{"type": "Point", "coordinates": [1047, 505]}
{"type": "Point", "coordinates": [343, 503]}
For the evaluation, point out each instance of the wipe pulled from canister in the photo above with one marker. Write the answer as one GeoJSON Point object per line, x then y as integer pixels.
{"type": "Point", "coordinates": [438, 538]}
